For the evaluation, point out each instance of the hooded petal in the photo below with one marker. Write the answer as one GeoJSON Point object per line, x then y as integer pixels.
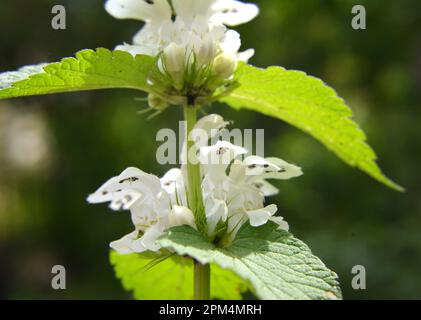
{"type": "Point", "coordinates": [190, 9]}
{"type": "Point", "coordinates": [137, 179]}
{"type": "Point", "coordinates": [173, 184]}
{"type": "Point", "coordinates": [148, 11]}
{"type": "Point", "coordinates": [205, 129]}
{"type": "Point", "coordinates": [216, 159]}
{"type": "Point", "coordinates": [287, 171]}
{"type": "Point", "coordinates": [211, 124]}
{"type": "Point", "coordinates": [256, 166]}
{"type": "Point", "coordinates": [126, 189]}
{"type": "Point", "coordinates": [105, 192]}
{"type": "Point", "coordinates": [231, 43]}
{"type": "Point", "coordinates": [233, 13]}
{"type": "Point", "coordinates": [222, 153]}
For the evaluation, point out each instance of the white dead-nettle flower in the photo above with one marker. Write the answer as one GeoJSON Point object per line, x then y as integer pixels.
{"type": "Point", "coordinates": [190, 36]}
{"type": "Point", "coordinates": [154, 204]}
{"type": "Point", "coordinates": [235, 190]}
{"type": "Point", "coordinates": [234, 193]}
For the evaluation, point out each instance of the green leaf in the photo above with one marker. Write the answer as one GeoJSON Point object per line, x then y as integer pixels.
{"type": "Point", "coordinates": [277, 265]}
{"type": "Point", "coordinates": [309, 104]}
{"type": "Point", "coordinates": [170, 279]}
{"type": "Point", "coordinates": [89, 70]}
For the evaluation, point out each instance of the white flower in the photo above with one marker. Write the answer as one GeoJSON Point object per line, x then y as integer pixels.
{"type": "Point", "coordinates": [234, 192]}
{"type": "Point", "coordinates": [228, 12]}
{"type": "Point", "coordinates": [190, 43]}
{"type": "Point", "coordinates": [155, 206]}
{"type": "Point", "coordinates": [148, 11]}
{"type": "Point", "coordinates": [244, 190]}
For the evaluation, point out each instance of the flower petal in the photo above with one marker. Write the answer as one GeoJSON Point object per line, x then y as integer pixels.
{"type": "Point", "coordinates": [126, 189]}
{"type": "Point", "coordinates": [148, 240]}
{"type": "Point", "coordinates": [261, 216]}
{"type": "Point", "coordinates": [134, 50]}
{"type": "Point", "coordinates": [189, 9]}
{"type": "Point", "coordinates": [256, 166]}
{"type": "Point", "coordinates": [266, 188]}
{"type": "Point", "coordinates": [212, 124]}
{"type": "Point", "coordinates": [137, 179]}
{"type": "Point", "coordinates": [157, 10]}
{"type": "Point", "coordinates": [124, 199]}
{"type": "Point", "coordinates": [231, 43]}
{"type": "Point", "coordinates": [173, 184]}
{"type": "Point", "coordinates": [105, 192]}
{"type": "Point", "coordinates": [233, 13]}
{"type": "Point", "coordinates": [283, 225]}
{"type": "Point", "coordinates": [287, 170]}
{"type": "Point", "coordinates": [125, 244]}
{"type": "Point", "coordinates": [223, 152]}
{"type": "Point", "coordinates": [245, 56]}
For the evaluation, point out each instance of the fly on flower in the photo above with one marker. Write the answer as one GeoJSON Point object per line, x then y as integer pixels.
{"type": "Point", "coordinates": [196, 53]}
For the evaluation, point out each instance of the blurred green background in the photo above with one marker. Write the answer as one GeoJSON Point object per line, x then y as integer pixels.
{"type": "Point", "coordinates": [54, 150]}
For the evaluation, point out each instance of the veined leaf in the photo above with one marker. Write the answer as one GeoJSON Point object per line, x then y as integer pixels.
{"type": "Point", "coordinates": [309, 104]}
{"type": "Point", "coordinates": [276, 264]}
{"type": "Point", "coordinates": [171, 279]}
{"type": "Point", "coordinates": [7, 79]}
{"type": "Point", "coordinates": [89, 70]}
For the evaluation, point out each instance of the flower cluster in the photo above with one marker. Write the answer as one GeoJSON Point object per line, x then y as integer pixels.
{"type": "Point", "coordinates": [234, 192]}
{"type": "Point", "coordinates": [197, 52]}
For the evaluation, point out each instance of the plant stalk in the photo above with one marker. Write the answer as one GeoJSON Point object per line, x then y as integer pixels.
{"type": "Point", "coordinates": [195, 201]}
{"type": "Point", "coordinates": [201, 281]}
{"type": "Point", "coordinates": [194, 183]}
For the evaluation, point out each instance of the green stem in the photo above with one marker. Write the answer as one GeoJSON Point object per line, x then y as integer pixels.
{"type": "Point", "coordinates": [194, 183]}
{"type": "Point", "coordinates": [195, 200]}
{"type": "Point", "coordinates": [201, 281]}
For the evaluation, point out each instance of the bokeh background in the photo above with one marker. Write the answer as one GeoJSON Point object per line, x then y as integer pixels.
{"type": "Point", "coordinates": [54, 150]}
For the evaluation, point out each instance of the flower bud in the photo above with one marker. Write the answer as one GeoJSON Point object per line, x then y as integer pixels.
{"type": "Point", "coordinates": [224, 66]}
{"type": "Point", "coordinates": [174, 58]}
{"type": "Point", "coordinates": [155, 102]}
{"type": "Point", "coordinates": [180, 216]}
{"type": "Point", "coordinates": [205, 54]}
